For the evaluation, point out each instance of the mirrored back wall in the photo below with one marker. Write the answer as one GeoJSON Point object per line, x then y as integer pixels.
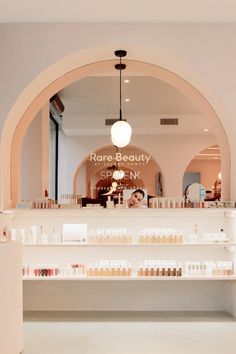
{"type": "Point", "coordinates": [86, 166]}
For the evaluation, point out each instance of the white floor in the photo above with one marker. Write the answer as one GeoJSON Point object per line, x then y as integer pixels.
{"type": "Point", "coordinates": [142, 333]}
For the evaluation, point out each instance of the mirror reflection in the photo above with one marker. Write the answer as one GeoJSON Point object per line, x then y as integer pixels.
{"type": "Point", "coordinates": [195, 193]}
{"type": "Point", "coordinates": [167, 126]}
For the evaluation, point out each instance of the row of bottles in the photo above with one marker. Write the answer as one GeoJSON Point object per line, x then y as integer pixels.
{"type": "Point", "coordinates": [154, 235]}
{"type": "Point", "coordinates": [167, 268]}
{"type": "Point", "coordinates": [217, 268]}
{"type": "Point", "coordinates": [53, 270]}
{"type": "Point", "coordinates": [123, 268]}
{"type": "Point", "coordinates": [79, 234]}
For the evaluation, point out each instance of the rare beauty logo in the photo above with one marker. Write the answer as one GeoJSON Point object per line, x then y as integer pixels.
{"type": "Point", "coordinates": [121, 159]}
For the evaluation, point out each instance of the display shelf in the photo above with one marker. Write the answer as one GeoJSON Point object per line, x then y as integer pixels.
{"type": "Point", "coordinates": [133, 278]}
{"type": "Point", "coordinates": [128, 292]}
{"type": "Point", "coordinates": [157, 245]}
{"type": "Point", "coordinates": [123, 212]}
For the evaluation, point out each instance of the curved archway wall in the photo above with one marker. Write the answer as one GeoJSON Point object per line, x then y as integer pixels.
{"type": "Point", "coordinates": [208, 168]}
{"type": "Point", "coordinates": [146, 177]}
{"type": "Point", "coordinates": [58, 76]}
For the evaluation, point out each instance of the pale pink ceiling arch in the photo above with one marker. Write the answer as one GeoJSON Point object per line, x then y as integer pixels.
{"type": "Point", "coordinates": [18, 121]}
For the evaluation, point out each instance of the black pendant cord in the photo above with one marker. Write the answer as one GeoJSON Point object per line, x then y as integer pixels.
{"type": "Point", "coordinates": [121, 54]}
{"type": "Point", "coordinates": [117, 150]}
{"type": "Point", "coordinates": [120, 92]}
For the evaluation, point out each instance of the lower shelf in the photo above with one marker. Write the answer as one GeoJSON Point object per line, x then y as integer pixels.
{"type": "Point", "coordinates": [131, 278]}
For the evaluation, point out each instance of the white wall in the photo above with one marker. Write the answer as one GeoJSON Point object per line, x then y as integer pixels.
{"type": "Point", "coordinates": [172, 153]}
{"type": "Point", "coordinates": [11, 309]}
{"type": "Point", "coordinates": [31, 161]}
{"type": "Point", "coordinates": [202, 54]}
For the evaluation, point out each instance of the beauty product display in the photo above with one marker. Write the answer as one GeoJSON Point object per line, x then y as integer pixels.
{"type": "Point", "coordinates": [34, 235]}
{"type": "Point", "coordinates": [167, 202]}
{"type": "Point", "coordinates": [210, 268]}
{"type": "Point", "coordinates": [93, 206]}
{"type": "Point", "coordinates": [153, 235]}
{"type": "Point", "coordinates": [22, 236]}
{"type": "Point", "coordinates": [194, 238]}
{"type": "Point", "coordinates": [71, 201]}
{"type": "Point", "coordinates": [67, 201]}
{"type": "Point", "coordinates": [56, 237]}
{"type": "Point", "coordinates": [109, 268]}
{"type": "Point", "coordinates": [110, 236]}
{"type": "Point", "coordinates": [44, 203]}
{"type": "Point", "coordinates": [52, 270]}
{"type": "Point", "coordinates": [163, 268]}
{"type": "Point", "coordinates": [13, 234]}
{"type": "Point", "coordinates": [109, 203]}
{"type": "Point", "coordinates": [34, 238]}
{"type": "Point", "coordinates": [74, 233]}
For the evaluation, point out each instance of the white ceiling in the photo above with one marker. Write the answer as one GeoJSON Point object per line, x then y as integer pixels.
{"type": "Point", "coordinates": [110, 11]}
{"type": "Point", "coordinates": [88, 102]}
{"type": "Point", "coordinates": [211, 153]}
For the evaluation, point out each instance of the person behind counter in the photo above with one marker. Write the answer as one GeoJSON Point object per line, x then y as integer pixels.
{"type": "Point", "coordinates": [136, 199]}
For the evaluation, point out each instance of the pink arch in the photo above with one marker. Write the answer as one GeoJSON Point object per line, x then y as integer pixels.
{"type": "Point", "coordinates": [58, 76]}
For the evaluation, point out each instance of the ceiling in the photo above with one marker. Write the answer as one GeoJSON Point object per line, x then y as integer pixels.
{"type": "Point", "coordinates": [110, 11]}
{"type": "Point", "coordinates": [88, 102]}
{"type": "Point", "coordinates": [210, 153]}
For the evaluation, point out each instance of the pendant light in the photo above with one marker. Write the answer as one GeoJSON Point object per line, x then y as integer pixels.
{"type": "Point", "coordinates": [118, 174]}
{"type": "Point", "coordinates": [121, 130]}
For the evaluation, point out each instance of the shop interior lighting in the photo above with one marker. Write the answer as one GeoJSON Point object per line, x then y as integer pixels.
{"type": "Point", "coordinates": [121, 130]}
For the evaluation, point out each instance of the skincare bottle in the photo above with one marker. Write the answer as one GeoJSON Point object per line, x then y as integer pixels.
{"type": "Point", "coordinates": [13, 234]}
{"type": "Point", "coordinates": [129, 269]}
{"type": "Point", "coordinates": [22, 235]}
{"type": "Point", "coordinates": [44, 238]}
{"type": "Point", "coordinates": [33, 234]}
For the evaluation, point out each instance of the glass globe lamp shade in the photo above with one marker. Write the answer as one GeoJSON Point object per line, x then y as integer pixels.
{"type": "Point", "coordinates": [118, 174]}
{"type": "Point", "coordinates": [120, 142]}
{"type": "Point", "coordinates": [121, 133]}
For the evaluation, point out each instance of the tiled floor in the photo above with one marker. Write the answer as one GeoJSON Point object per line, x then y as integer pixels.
{"type": "Point", "coordinates": [142, 333]}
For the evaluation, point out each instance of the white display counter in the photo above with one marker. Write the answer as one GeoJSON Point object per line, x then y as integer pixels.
{"type": "Point", "coordinates": [11, 331]}
{"type": "Point", "coordinates": [122, 293]}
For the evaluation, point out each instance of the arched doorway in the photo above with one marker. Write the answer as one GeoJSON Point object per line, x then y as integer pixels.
{"type": "Point", "coordinates": [19, 119]}
{"type": "Point", "coordinates": [205, 168]}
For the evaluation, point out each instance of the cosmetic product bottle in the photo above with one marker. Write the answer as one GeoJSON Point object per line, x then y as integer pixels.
{"type": "Point", "coordinates": [35, 271]}
{"type": "Point", "coordinates": [44, 238]}
{"type": "Point", "coordinates": [22, 235]}
{"type": "Point", "coordinates": [179, 270]}
{"type": "Point", "coordinates": [56, 237]}
{"type": "Point", "coordinates": [129, 236]}
{"type": "Point", "coordinates": [89, 270]}
{"type": "Point", "coordinates": [140, 270]}
{"type": "Point", "coordinates": [13, 234]}
{"type": "Point", "coordinates": [33, 234]}
{"type": "Point", "coordinates": [129, 269]}
{"type": "Point", "coordinates": [180, 236]}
